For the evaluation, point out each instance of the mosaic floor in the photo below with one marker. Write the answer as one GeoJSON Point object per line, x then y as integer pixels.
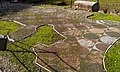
{"type": "Point", "coordinates": [83, 49]}
{"type": "Point", "coordinates": [85, 44]}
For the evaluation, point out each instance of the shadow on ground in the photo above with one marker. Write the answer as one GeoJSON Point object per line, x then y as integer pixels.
{"type": "Point", "coordinates": [8, 8]}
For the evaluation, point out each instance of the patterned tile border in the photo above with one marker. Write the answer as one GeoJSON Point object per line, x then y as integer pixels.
{"type": "Point", "coordinates": [103, 22]}
{"type": "Point", "coordinates": [107, 51]}
{"type": "Point", "coordinates": [93, 21]}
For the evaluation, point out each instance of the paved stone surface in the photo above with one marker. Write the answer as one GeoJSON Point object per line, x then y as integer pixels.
{"type": "Point", "coordinates": [85, 45]}
{"type": "Point", "coordinates": [91, 35]}
{"type": "Point", "coordinates": [114, 29]}
{"type": "Point", "coordinates": [95, 30]}
{"type": "Point", "coordinates": [107, 39]}
{"type": "Point", "coordinates": [102, 46]}
{"type": "Point", "coordinates": [84, 51]}
{"type": "Point", "coordinates": [23, 32]}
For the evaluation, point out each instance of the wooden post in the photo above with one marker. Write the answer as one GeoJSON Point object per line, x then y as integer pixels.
{"type": "Point", "coordinates": [71, 4]}
{"type": "Point", "coordinates": [3, 43]}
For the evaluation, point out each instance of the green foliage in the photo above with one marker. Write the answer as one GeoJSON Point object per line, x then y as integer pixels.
{"type": "Point", "coordinates": [112, 60]}
{"type": "Point", "coordinates": [45, 35]}
{"type": "Point", "coordinates": [5, 27]}
{"type": "Point", "coordinates": [101, 16]}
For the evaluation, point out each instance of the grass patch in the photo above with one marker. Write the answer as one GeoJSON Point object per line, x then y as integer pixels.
{"type": "Point", "coordinates": [6, 27]}
{"type": "Point", "coordinates": [101, 16]}
{"type": "Point", "coordinates": [112, 59]}
{"type": "Point", "coordinates": [45, 35]}
{"type": "Point", "coordinates": [23, 51]}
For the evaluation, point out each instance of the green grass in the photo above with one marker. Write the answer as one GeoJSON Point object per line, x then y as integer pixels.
{"type": "Point", "coordinates": [44, 34]}
{"type": "Point", "coordinates": [112, 60]}
{"type": "Point", "coordinates": [6, 27]}
{"type": "Point", "coordinates": [111, 4]}
{"type": "Point", "coordinates": [101, 16]}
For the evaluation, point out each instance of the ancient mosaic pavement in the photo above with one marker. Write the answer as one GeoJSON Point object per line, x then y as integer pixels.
{"type": "Point", "coordinates": [85, 41]}
{"type": "Point", "coordinates": [83, 49]}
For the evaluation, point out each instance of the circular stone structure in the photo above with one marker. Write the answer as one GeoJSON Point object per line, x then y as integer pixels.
{"type": "Point", "coordinates": [86, 42]}
{"type": "Point", "coordinates": [96, 30]}
{"type": "Point", "coordinates": [91, 36]}
{"type": "Point", "coordinates": [107, 39]}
